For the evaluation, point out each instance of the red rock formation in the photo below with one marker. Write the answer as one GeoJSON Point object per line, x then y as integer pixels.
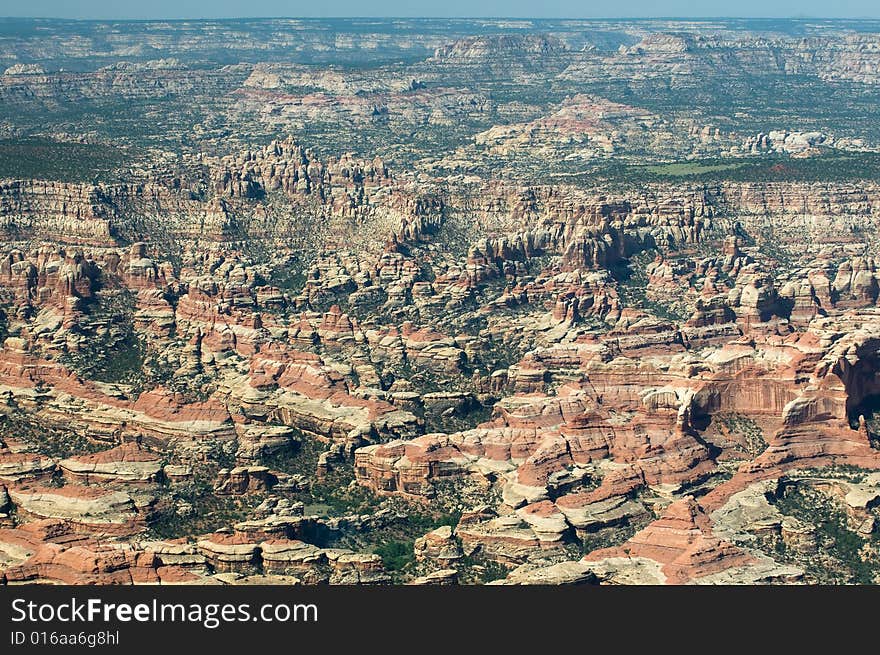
{"type": "Point", "coordinates": [48, 552]}
{"type": "Point", "coordinates": [128, 463]}
{"type": "Point", "coordinates": [681, 542]}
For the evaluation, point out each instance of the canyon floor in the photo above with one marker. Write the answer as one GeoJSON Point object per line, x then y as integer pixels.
{"type": "Point", "coordinates": [439, 302]}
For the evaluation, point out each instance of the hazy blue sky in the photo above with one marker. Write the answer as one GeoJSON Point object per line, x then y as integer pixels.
{"type": "Point", "coordinates": [439, 8]}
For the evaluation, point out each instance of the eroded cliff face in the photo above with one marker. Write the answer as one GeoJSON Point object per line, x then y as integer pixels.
{"type": "Point", "coordinates": [597, 385]}
{"type": "Point", "coordinates": [687, 58]}
{"type": "Point", "coordinates": [213, 200]}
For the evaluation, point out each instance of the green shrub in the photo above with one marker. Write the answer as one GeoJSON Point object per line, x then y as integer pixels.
{"type": "Point", "coordinates": [395, 555]}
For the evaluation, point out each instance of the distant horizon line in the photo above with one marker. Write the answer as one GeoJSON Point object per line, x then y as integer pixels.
{"type": "Point", "coordinates": [452, 18]}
